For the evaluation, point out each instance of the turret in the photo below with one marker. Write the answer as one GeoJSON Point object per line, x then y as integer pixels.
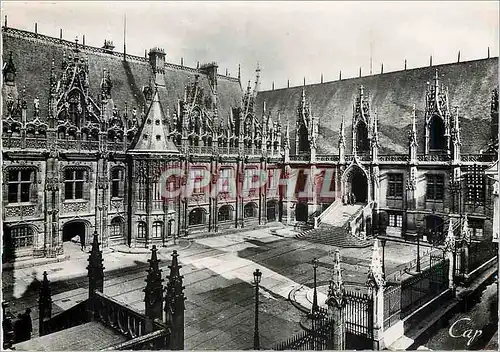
{"type": "Point", "coordinates": [157, 62]}
{"type": "Point", "coordinates": [412, 138]}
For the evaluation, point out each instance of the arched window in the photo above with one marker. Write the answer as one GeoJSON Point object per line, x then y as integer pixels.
{"type": "Point", "coordinates": [303, 140]}
{"type": "Point", "coordinates": [141, 229]}
{"type": "Point", "coordinates": [197, 216]}
{"type": "Point", "coordinates": [362, 144]}
{"type": "Point", "coordinates": [157, 229]}
{"type": "Point", "coordinates": [116, 228]}
{"type": "Point", "coordinates": [225, 213]}
{"type": "Point", "coordinates": [250, 210]}
{"type": "Point", "coordinates": [436, 140]}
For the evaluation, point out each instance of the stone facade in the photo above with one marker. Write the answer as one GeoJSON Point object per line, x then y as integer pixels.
{"type": "Point", "coordinates": [89, 135]}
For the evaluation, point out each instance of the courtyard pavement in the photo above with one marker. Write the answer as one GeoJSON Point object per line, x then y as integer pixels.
{"type": "Point", "coordinates": [218, 275]}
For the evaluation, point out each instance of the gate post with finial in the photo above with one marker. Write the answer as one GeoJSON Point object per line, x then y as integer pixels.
{"type": "Point", "coordinates": [375, 283]}
{"type": "Point", "coordinates": [44, 304]}
{"type": "Point", "coordinates": [153, 292]}
{"type": "Point", "coordinates": [174, 305]}
{"type": "Point", "coordinates": [95, 271]}
{"type": "Point", "coordinates": [336, 302]}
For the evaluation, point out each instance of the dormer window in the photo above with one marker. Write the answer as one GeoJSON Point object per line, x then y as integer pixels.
{"type": "Point", "coordinates": [437, 129]}
{"type": "Point", "coordinates": [362, 142]}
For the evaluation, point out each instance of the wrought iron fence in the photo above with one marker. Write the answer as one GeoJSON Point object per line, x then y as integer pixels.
{"type": "Point", "coordinates": [315, 339]}
{"type": "Point", "coordinates": [480, 253]}
{"type": "Point", "coordinates": [392, 305]}
{"type": "Point", "coordinates": [358, 315]}
{"type": "Point", "coordinates": [421, 288]}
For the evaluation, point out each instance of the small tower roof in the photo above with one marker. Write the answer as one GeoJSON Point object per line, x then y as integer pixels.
{"type": "Point", "coordinates": [152, 136]}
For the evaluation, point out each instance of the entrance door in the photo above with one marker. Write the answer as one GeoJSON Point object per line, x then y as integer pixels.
{"type": "Point", "coordinates": [359, 186]}
{"type": "Point", "coordinates": [301, 212]}
{"type": "Point", "coordinates": [272, 210]}
{"type": "Point", "coordinates": [72, 229]}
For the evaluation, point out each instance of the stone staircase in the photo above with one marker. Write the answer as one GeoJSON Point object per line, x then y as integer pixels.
{"type": "Point", "coordinates": [341, 214]}
{"type": "Point", "coordinates": [332, 228]}
{"type": "Point", "coordinates": [333, 236]}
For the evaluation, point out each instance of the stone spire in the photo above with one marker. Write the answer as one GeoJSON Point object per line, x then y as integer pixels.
{"type": "Point", "coordinates": [336, 289]}
{"type": "Point", "coordinates": [342, 140]}
{"type": "Point", "coordinates": [174, 304]}
{"type": "Point", "coordinates": [375, 273]}
{"type": "Point", "coordinates": [449, 241]}
{"type": "Point", "coordinates": [95, 267]}
{"type": "Point", "coordinates": [44, 303]}
{"type": "Point", "coordinates": [154, 288]}
{"type": "Point", "coordinates": [466, 232]}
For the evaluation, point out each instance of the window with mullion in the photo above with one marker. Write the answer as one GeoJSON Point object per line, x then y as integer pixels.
{"type": "Point", "coordinates": [435, 187]}
{"type": "Point", "coordinates": [117, 183]}
{"type": "Point", "coordinates": [20, 184]}
{"type": "Point", "coordinates": [74, 184]}
{"type": "Point", "coordinates": [395, 189]}
{"type": "Point", "coordinates": [157, 229]}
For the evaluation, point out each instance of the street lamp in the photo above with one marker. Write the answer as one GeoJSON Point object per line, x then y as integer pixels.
{"type": "Point", "coordinates": [171, 219]}
{"type": "Point", "coordinates": [257, 275]}
{"type": "Point", "coordinates": [418, 251]}
{"type": "Point", "coordinates": [382, 242]}
{"type": "Point", "coordinates": [315, 294]}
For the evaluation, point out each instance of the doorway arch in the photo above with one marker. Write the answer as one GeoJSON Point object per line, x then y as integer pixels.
{"type": "Point", "coordinates": [355, 181]}
{"type": "Point", "coordinates": [72, 229]}
{"type": "Point", "coordinates": [434, 228]}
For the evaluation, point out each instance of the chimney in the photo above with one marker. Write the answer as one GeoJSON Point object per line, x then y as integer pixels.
{"type": "Point", "coordinates": [108, 46]}
{"type": "Point", "coordinates": [210, 70]}
{"type": "Point", "coordinates": [157, 62]}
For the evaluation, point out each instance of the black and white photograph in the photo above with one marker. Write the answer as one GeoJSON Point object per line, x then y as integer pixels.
{"type": "Point", "coordinates": [250, 175]}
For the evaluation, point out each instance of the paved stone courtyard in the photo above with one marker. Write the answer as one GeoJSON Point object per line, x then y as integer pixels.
{"type": "Point", "coordinates": [218, 278]}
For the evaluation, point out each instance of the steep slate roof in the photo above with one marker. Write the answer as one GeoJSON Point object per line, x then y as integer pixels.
{"type": "Point", "coordinates": [152, 136]}
{"type": "Point", "coordinates": [392, 96]}
{"type": "Point", "coordinates": [33, 54]}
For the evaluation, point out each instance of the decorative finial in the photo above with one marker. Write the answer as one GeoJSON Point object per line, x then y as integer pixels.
{"type": "Point", "coordinates": [449, 241]}
{"type": "Point", "coordinates": [405, 64]}
{"type": "Point", "coordinates": [340, 75]}
{"type": "Point", "coordinates": [375, 273]}
{"type": "Point", "coordinates": [360, 72]}
{"type": "Point", "coordinates": [488, 47]}
{"type": "Point", "coordinates": [304, 82]}
{"type": "Point", "coordinates": [430, 60]}
{"type": "Point", "coordinates": [60, 33]}
{"type": "Point", "coordinates": [36, 28]}
{"type": "Point", "coordinates": [5, 23]}
{"type": "Point", "coordinates": [382, 68]}
{"type": "Point", "coordinates": [288, 83]}
{"type": "Point", "coordinates": [239, 72]}
{"type": "Point", "coordinates": [273, 85]}
{"type": "Point", "coordinates": [458, 59]}
{"type": "Point", "coordinates": [321, 78]}
{"type": "Point", "coordinates": [336, 289]}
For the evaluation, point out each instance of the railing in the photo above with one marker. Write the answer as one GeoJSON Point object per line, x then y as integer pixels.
{"type": "Point", "coordinates": [315, 339]}
{"type": "Point", "coordinates": [205, 150]}
{"type": "Point", "coordinates": [118, 316]}
{"type": "Point", "coordinates": [401, 300]}
{"type": "Point", "coordinates": [11, 142]}
{"type": "Point", "coordinates": [36, 143]}
{"type": "Point", "coordinates": [300, 157]}
{"type": "Point", "coordinates": [356, 223]}
{"type": "Point", "coordinates": [434, 157]}
{"type": "Point", "coordinates": [145, 342]}
{"type": "Point", "coordinates": [480, 253]}
{"type": "Point", "coordinates": [478, 157]}
{"type": "Point", "coordinates": [327, 157]}
{"type": "Point", "coordinates": [74, 316]}
{"type": "Point", "coordinates": [394, 158]}
{"type": "Point", "coordinates": [327, 211]}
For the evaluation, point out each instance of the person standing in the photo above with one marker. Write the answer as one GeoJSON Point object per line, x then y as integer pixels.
{"type": "Point", "coordinates": [353, 199]}
{"type": "Point", "coordinates": [82, 241]}
{"type": "Point", "coordinates": [27, 324]}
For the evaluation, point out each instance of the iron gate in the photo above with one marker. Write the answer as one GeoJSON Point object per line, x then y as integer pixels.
{"type": "Point", "coordinates": [358, 317]}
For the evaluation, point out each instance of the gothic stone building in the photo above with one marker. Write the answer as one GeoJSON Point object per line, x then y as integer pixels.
{"type": "Point", "coordinates": [88, 134]}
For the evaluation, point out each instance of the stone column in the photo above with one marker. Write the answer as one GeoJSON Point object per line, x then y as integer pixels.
{"type": "Point", "coordinates": [375, 285]}
{"type": "Point", "coordinates": [336, 303]}
{"type": "Point", "coordinates": [466, 239]}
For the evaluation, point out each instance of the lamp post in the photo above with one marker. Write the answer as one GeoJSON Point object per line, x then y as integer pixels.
{"type": "Point", "coordinates": [257, 275]}
{"type": "Point", "coordinates": [418, 251]}
{"type": "Point", "coordinates": [315, 294]}
{"type": "Point", "coordinates": [382, 242]}
{"type": "Point", "coordinates": [171, 219]}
